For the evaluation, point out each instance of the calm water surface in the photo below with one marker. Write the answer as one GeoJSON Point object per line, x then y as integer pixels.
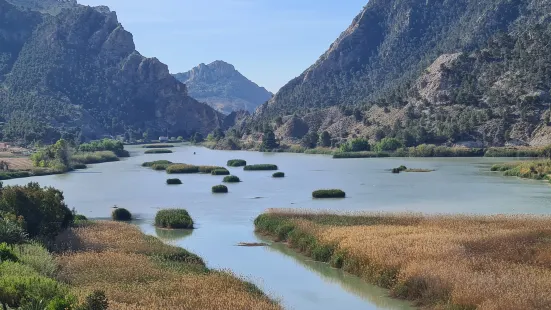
{"type": "Point", "coordinates": [457, 186]}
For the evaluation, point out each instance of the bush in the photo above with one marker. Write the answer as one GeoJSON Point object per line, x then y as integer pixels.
{"type": "Point", "coordinates": [174, 219]}
{"type": "Point", "coordinates": [158, 146]}
{"type": "Point", "coordinates": [42, 212]}
{"type": "Point", "coordinates": [121, 214]}
{"type": "Point", "coordinates": [328, 193]}
{"type": "Point", "coordinates": [173, 182]}
{"type": "Point", "coordinates": [77, 166]}
{"type": "Point", "coordinates": [513, 152]}
{"type": "Point", "coordinates": [231, 179]}
{"type": "Point", "coordinates": [356, 145]}
{"type": "Point", "coordinates": [388, 145]}
{"type": "Point", "coordinates": [14, 175]}
{"type": "Point", "coordinates": [6, 253]}
{"type": "Point", "coordinates": [37, 257]}
{"type": "Point", "coordinates": [278, 175]}
{"type": "Point", "coordinates": [260, 167]}
{"type": "Point", "coordinates": [182, 168]}
{"type": "Point", "coordinates": [209, 169]}
{"type": "Point", "coordinates": [114, 146]}
{"type": "Point", "coordinates": [159, 167]}
{"type": "Point", "coordinates": [158, 151]}
{"type": "Point", "coordinates": [96, 301]}
{"type": "Point", "coordinates": [157, 162]}
{"type": "Point", "coordinates": [94, 157]}
{"type": "Point", "coordinates": [11, 233]}
{"type": "Point", "coordinates": [220, 189]}
{"type": "Point", "coordinates": [237, 163]}
{"type": "Point", "coordinates": [80, 217]}
{"type": "Point", "coordinates": [220, 172]}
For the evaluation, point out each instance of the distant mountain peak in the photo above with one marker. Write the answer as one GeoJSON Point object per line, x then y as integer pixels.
{"type": "Point", "coordinates": [223, 87]}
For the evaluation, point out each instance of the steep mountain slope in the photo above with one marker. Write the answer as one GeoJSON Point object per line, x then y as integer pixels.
{"type": "Point", "coordinates": [428, 71]}
{"type": "Point", "coordinates": [223, 87]}
{"type": "Point", "coordinates": [78, 73]}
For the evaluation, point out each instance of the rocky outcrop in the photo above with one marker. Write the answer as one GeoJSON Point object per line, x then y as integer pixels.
{"type": "Point", "coordinates": [221, 86]}
{"type": "Point", "coordinates": [83, 75]}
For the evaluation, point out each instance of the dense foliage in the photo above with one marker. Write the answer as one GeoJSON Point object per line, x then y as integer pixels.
{"type": "Point", "coordinates": [114, 146]}
{"type": "Point", "coordinates": [260, 167]}
{"type": "Point", "coordinates": [173, 181]}
{"type": "Point", "coordinates": [220, 172]}
{"type": "Point", "coordinates": [40, 212]}
{"type": "Point", "coordinates": [173, 219]}
{"type": "Point", "coordinates": [236, 163]}
{"type": "Point", "coordinates": [278, 175]}
{"type": "Point", "coordinates": [328, 193]}
{"type": "Point", "coordinates": [121, 214]}
{"type": "Point", "coordinates": [231, 179]}
{"type": "Point", "coordinates": [221, 189]}
{"type": "Point", "coordinates": [158, 151]}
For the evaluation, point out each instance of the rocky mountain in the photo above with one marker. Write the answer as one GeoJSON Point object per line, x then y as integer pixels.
{"type": "Point", "coordinates": [72, 70]}
{"type": "Point", "coordinates": [223, 87]}
{"type": "Point", "coordinates": [439, 71]}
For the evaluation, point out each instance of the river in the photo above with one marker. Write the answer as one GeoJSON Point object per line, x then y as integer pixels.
{"type": "Point", "coordinates": [458, 185]}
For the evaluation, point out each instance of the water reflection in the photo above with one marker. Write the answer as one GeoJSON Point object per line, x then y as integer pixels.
{"type": "Point", "coordinates": [172, 234]}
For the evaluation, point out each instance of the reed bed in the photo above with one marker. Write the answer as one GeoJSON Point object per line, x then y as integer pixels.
{"type": "Point", "coordinates": [440, 261]}
{"type": "Point", "coordinates": [237, 163]}
{"type": "Point", "coordinates": [158, 151]}
{"type": "Point", "coordinates": [182, 168]}
{"type": "Point", "coordinates": [231, 179]}
{"type": "Point", "coordinates": [94, 157]}
{"type": "Point", "coordinates": [157, 162]}
{"type": "Point", "coordinates": [141, 272]}
{"type": "Point", "coordinates": [537, 169]}
{"type": "Point", "coordinates": [261, 167]}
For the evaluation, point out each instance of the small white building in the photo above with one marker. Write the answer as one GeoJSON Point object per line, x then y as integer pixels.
{"type": "Point", "coordinates": [163, 139]}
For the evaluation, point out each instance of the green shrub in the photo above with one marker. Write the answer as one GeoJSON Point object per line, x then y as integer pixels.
{"type": "Point", "coordinates": [14, 175]}
{"type": "Point", "coordinates": [80, 217]}
{"type": "Point", "coordinates": [121, 214]}
{"type": "Point", "coordinates": [182, 168]}
{"type": "Point", "coordinates": [6, 253]}
{"type": "Point", "coordinates": [388, 145]}
{"type": "Point", "coordinates": [94, 157]}
{"type": "Point", "coordinates": [278, 175]}
{"type": "Point", "coordinates": [356, 145]}
{"type": "Point", "coordinates": [96, 301]}
{"type": "Point", "coordinates": [158, 146]}
{"type": "Point", "coordinates": [37, 257]}
{"type": "Point", "coordinates": [114, 146]}
{"type": "Point", "coordinates": [329, 193]}
{"type": "Point", "coordinates": [220, 189]}
{"type": "Point", "coordinates": [260, 167]}
{"type": "Point", "coordinates": [77, 166]}
{"type": "Point", "coordinates": [41, 211]}
{"type": "Point", "coordinates": [157, 162]}
{"type": "Point", "coordinates": [173, 182]}
{"type": "Point", "coordinates": [209, 169]}
{"type": "Point", "coordinates": [220, 172]}
{"type": "Point", "coordinates": [231, 179]}
{"type": "Point", "coordinates": [158, 151]}
{"type": "Point", "coordinates": [237, 163]}
{"type": "Point", "coordinates": [174, 219]}
{"type": "Point", "coordinates": [11, 233]}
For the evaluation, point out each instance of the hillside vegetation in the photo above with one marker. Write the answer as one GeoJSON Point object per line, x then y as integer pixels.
{"type": "Point", "coordinates": [455, 72]}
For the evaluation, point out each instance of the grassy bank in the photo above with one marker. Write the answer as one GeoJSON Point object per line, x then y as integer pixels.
{"type": "Point", "coordinates": [141, 272]}
{"type": "Point", "coordinates": [158, 151]}
{"type": "Point", "coordinates": [537, 169]}
{"type": "Point", "coordinates": [443, 262]}
{"type": "Point", "coordinates": [94, 157]}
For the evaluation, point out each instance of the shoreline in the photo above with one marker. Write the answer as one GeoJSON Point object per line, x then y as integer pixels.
{"type": "Point", "coordinates": [425, 259]}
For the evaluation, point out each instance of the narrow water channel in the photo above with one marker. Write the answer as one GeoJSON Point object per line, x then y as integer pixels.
{"type": "Point", "coordinates": [457, 186]}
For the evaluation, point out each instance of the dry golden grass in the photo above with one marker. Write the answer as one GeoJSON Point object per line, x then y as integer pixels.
{"type": "Point", "coordinates": [119, 259]}
{"type": "Point", "coordinates": [474, 262]}
{"type": "Point", "coordinates": [18, 163]}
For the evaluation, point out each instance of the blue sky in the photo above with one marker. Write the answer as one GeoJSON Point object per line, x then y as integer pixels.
{"type": "Point", "coordinates": [270, 42]}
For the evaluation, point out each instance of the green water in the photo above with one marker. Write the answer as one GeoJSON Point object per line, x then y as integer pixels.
{"type": "Point", "coordinates": [223, 220]}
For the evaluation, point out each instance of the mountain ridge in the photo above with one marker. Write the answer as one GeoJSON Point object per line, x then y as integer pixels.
{"type": "Point", "coordinates": [224, 88]}
{"type": "Point", "coordinates": [77, 74]}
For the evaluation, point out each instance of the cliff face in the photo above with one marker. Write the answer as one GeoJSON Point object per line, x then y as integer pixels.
{"type": "Point", "coordinates": [429, 72]}
{"type": "Point", "coordinates": [77, 72]}
{"type": "Point", "coordinates": [221, 86]}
